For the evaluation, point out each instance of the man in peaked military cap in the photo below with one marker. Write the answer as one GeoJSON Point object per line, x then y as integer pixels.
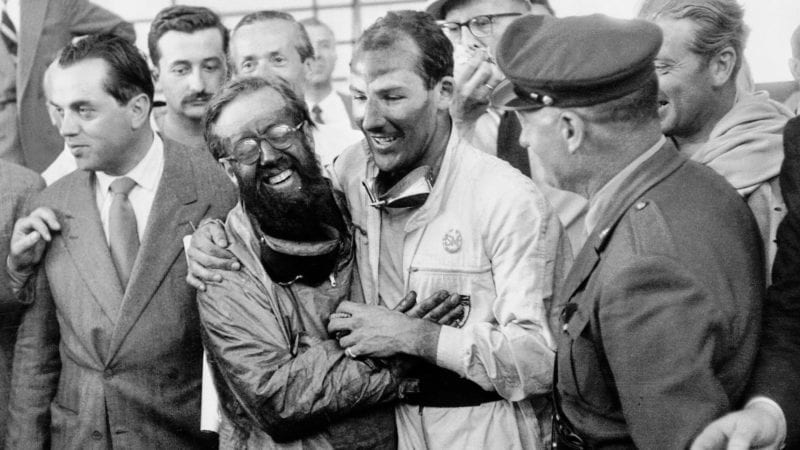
{"type": "Point", "coordinates": [658, 330]}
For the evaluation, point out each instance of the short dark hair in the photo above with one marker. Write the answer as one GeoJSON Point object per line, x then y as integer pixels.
{"type": "Point", "coordinates": [720, 23]}
{"type": "Point", "coordinates": [128, 74]}
{"type": "Point", "coordinates": [304, 47]}
{"type": "Point", "coordinates": [185, 19]}
{"type": "Point", "coordinates": [435, 60]}
{"type": "Point", "coordinates": [636, 108]}
{"type": "Point", "coordinates": [295, 106]}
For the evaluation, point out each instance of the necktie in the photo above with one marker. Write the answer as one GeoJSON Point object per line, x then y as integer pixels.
{"type": "Point", "coordinates": [8, 31]}
{"type": "Point", "coordinates": [316, 115]}
{"type": "Point", "coordinates": [123, 238]}
{"type": "Point", "coordinates": [508, 148]}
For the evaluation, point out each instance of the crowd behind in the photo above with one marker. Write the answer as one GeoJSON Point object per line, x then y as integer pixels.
{"type": "Point", "coordinates": [514, 231]}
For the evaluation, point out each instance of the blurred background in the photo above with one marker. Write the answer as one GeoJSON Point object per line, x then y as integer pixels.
{"type": "Point", "coordinates": [771, 22]}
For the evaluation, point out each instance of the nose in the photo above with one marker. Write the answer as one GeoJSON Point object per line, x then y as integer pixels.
{"type": "Point", "coordinates": [269, 155]}
{"type": "Point", "coordinates": [69, 125]}
{"type": "Point", "coordinates": [469, 40]}
{"type": "Point", "coordinates": [196, 81]}
{"type": "Point", "coordinates": [373, 117]}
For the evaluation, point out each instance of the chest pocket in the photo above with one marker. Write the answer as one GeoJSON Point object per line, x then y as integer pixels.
{"type": "Point", "coordinates": [476, 283]}
{"type": "Point", "coordinates": [583, 376]}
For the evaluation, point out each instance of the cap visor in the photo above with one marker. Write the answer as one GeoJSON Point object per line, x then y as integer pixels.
{"type": "Point", "coordinates": [505, 99]}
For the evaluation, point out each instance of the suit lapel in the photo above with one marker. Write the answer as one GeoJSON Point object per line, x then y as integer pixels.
{"type": "Point", "coordinates": [85, 241]}
{"type": "Point", "coordinates": [664, 162]}
{"type": "Point", "coordinates": [31, 24]}
{"type": "Point", "coordinates": [174, 207]}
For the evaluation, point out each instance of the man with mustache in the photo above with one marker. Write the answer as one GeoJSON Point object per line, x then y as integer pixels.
{"type": "Point", "coordinates": [187, 45]}
{"type": "Point", "coordinates": [281, 377]}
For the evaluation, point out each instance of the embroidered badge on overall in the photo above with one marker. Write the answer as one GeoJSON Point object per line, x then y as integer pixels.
{"type": "Point", "coordinates": [452, 241]}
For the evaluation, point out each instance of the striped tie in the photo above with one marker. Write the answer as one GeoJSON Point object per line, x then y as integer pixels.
{"type": "Point", "coordinates": [9, 32]}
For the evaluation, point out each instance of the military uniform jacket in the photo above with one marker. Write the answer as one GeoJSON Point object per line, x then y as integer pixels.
{"type": "Point", "coordinates": [659, 334]}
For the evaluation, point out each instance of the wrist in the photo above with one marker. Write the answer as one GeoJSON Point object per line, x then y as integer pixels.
{"type": "Point", "coordinates": [18, 276]}
{"type": "Point", "coordinates": [425, 340]}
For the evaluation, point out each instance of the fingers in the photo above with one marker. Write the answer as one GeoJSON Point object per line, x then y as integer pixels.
{"type": "Point", "coordinates": [340, 324]}
{"type": "Point", "coordinates": [195, 282]}
{"type": "Point", "coordinates": [48, 216]}
{"type": "Point", "coordinates": [424, 307]}
{"type": "Point", "coordinates": [197, 272]}
{"type": "Point", "coordinates": [407, 302]}
{"type": "Point", "coordinates": [452, 317]}
{"type": "Point", "coordinates": [351, 308]}
{"type": "Point", "coordinates": [712, 438]}
{"type": "Point", "coordinates": [475, 87]}
{"type": "Point", "coordinates": [210, 239]}
{"type": "Point", "coordinates": [39, 221]}
{"type": "Point", "coordinates": [217, 233]}
{"type": "Point", "coordinates": [464, 72]}
{"type": "Point", "coordinates": [444, 307]}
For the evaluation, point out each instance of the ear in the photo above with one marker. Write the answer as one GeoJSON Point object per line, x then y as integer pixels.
{"type": "Point", "coordinates": [139, 108]}
{"type": "Point", "coordinates": [721, 66]}
{"type": "Point", "coordinates": [572, 128]}
{"type": "Point", "coordinates": [794, 67]}
{"type": "Point", "coordinates": [444, 90]}
{"type": "Point", "coordinates": [229, 170]}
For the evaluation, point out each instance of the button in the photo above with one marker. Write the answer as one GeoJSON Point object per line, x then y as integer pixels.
{"type": "Point", "coordinates": [604, 233]}
{"type": "Point", "coordinates": [565, 328]}
{"type": "Point", "coordinates": [640, 205]}
{"type": "Point", "coordinates": [96, 435]}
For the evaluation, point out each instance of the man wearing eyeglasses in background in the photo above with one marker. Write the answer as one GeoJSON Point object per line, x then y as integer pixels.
{"type": "Point", "coordinates": [474, 27]}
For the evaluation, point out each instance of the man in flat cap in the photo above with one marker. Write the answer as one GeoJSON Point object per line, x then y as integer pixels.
{"type": "Point", "coordinates": [660, 309]}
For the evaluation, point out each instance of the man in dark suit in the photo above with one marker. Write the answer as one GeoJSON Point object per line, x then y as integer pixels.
{"type": "Point", "coordinates": [41, 28]}
{"type": "Point", "coordinates": [109, 352]}
{"type": "Point", "coordinates": [17, 184]}
{"type": "Point", "coordinates": [772, 418]}
{"type": "Point", "coordinates": [661, 306]}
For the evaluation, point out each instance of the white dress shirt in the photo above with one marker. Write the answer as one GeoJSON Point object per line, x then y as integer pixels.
{"type": "Point", "coordinates": [337, 132]}
{"type": "Point", "coordinates": [12, 9]}
{"type": "Point", "coordinates": [147, 175]}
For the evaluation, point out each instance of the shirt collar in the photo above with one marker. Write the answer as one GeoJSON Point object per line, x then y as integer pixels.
{"type": "Point", "coordinates": [146, 173]}
{"type": "Point", "coordinates": [600, 202]}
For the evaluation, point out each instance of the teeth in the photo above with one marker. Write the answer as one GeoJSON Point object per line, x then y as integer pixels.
{"type": "Point", "coordinates": [280, 177]}
{"type": "Point", "coordinates": [384, 140]}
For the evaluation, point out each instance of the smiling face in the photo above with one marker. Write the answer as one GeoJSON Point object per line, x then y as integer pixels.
{"type": "Point", "coordinates": [281, 172]}
{"type": "Point", "coordinates": [403, 121]}
{"type": "Point", "coordinates": [269, 47]}
{"type": "Point", "coordinates": [191, 69]}
{"type": "Point", "coordinates": [97, 129]}
{"type": "Point", "coordinates": [687, 96]}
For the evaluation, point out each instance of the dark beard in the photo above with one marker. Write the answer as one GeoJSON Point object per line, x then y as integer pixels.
{"type": "Point", "coordinates": [294, 215]}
